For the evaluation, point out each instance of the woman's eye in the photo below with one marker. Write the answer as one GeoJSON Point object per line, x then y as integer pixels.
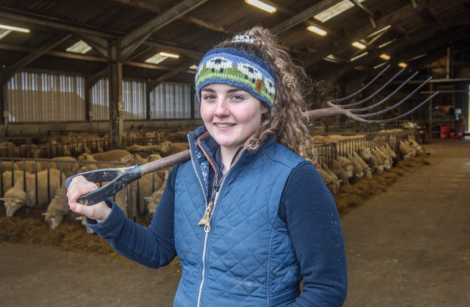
{"type": "Point", "coordinates": [209, 97]}
{"type": "Point", "coordinates": [237, 97]}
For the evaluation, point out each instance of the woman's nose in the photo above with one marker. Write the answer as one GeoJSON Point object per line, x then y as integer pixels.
{"type": "Point", "coordinates": [221, 109]}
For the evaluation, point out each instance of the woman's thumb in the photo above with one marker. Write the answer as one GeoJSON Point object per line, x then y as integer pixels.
{"type": "Point", "coordinates": [81, 209]}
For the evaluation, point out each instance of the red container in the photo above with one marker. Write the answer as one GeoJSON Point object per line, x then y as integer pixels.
{"type": "Point", "coordinates": [456, 137]}
{"type": "Point", "coordinates": [444, 135]}
{"type": "Point", "coordinates": [445, 129]}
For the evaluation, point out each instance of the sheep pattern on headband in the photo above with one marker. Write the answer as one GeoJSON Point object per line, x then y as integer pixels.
{"type": "Point", "coordinates": [237, 68]}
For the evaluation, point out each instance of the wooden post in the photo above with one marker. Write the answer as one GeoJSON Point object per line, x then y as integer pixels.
{"type": "Point", "coordinates": [193, 103]}
{"type": "Point", "coordinates": [430, 112]}
{"type": "Point", "coordinates": [115, 96]}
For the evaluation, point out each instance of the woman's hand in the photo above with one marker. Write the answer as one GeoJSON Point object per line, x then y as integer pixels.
{"type": "Point", "coordinates": [80, 186]}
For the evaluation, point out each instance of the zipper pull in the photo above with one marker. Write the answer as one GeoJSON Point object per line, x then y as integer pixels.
{"type": "Point", "coordinates": [206, 220]}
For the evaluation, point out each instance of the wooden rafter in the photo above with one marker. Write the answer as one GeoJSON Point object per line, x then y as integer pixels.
{"type": "Point", "coordinates": [154, 83]}
{"type": "Point", "coordinates": [131, 41]}
{"type": "Point", "coordinates": [7, 73]}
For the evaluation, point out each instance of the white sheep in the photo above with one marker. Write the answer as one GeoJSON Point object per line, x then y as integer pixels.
{"type": "Point", "coordinates": [154, 199]}
{"type": "Point", "coordinates": [365, 167]}
{"type": "Point", "coordinates": [15, 197]}
{"type": "Point", "coordinates": [168, 148]}
{"type": "Point", "coordinates": [250, 72]}
{"type": "Point", "coordinates": [67, 164]}
{"type": "Point", "coordinates": [346, 164]}
{"type": "Point", "coordinates": [112, 155]}
{"type": "Point", "coordinates": [6, 177]}
{"type": "Point", "coordinates": [358, 170]}
{"type": "Point", "coordinates": [29, 165]}
{"type": "Point", "coordinates": [57, 209]}
{"type": "Point", "coordinates": [340, 172]}
{"type": "Point", "coordinates": [331, 183]}
{"type": "Point", "coordinates": [218, 64]}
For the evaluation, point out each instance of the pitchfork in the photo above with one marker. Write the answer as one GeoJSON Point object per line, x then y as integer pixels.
{"type": "Point", "coordinates": [119, 178]}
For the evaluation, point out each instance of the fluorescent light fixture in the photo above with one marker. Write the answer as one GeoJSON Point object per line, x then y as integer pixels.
{"type": "Point", "coordinates": [385, 56]}
{"type": "Point", "coordinates": [193, 67]}
{"type": "Point", "coordinates": [261, 5]}
{"type": "Point", "coordinates": [169, 55]}
{"type": "Point", "coordinates": [359, 45]}
{"type": "Point", "coordinates": [80, 47]}
{"type": "Point", "coordinates": [334, 59]}
{"type": "Point", "coordinates": [14, 28]}
{"type": "Point", "coordinates": [359, 56]}
{"type": "Point", "coordinates": [380, 65]}
{"type": "Point", "coordinates": [335, 10]}
{"type": "Point", "coordinates": [387, 43]}
{"type": "Point", "coordinates": [418, 57]}
{"type": "Point", "coordinates": [380, 31]}
{"type": "Point", "coordinates": [316, 30]}
{"type": "Point", "coordinates": [158, 58]}
{"type": "Point", "coordinates": [402, 65]}
{"type": "Point", "coordinates": [4, 32]}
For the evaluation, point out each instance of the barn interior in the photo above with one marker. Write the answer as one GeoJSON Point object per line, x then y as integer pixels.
{"type": "Point", "coordinates": [89, 85]}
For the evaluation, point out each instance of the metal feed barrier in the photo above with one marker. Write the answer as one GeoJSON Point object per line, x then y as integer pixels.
{"type": "Point", "coordinates": [134, 207]}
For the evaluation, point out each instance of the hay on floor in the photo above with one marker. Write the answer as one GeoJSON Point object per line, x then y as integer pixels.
{"type": "Point", "coordinates": [356, 194]}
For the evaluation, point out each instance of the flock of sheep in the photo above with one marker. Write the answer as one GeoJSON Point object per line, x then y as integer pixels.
{"type": "Point", "coordinates": [365, 161]}
{"type": "Point", "coordinates": [343, 170]}
{"type": "Point", "coordinates": [150, 187]}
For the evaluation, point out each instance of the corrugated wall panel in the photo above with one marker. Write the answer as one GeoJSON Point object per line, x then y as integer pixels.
{"type": "Point", "coordinates": [34, 97]}
{"type": "Point", "coordinates": [100, 100]}
{"type": "Point", "coordinates": [170, 100]}
{"type": "Point", "coordinates": [133, 95]}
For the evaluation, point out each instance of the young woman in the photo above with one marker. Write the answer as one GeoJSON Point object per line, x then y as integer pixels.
{"type": "Point", "coordinates": [248, 216]}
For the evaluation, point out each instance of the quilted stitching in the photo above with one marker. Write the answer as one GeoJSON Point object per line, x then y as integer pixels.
{"type": "Point", "coordinates": [241, 242]}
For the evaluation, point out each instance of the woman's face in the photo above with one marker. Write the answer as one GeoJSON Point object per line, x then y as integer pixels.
{"type": "Point", "coordinates": [230, 114]}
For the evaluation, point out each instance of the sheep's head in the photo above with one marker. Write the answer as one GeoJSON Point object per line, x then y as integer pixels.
{"type": "Point", "coordinates": [368, 174]}
{"type": "Point", "coordinates": [365, 153]}
{"type": "Point", "coordinates": [166, 147]}
{"type": "Point", "coordinates": [349, 170]}
{"type": "Point", "coordinates": [359, 175]}
{"type": "Point", "coordinates": [334, 186]}
{"type": "Point", "coordinates": [11, 205]}
{"type": "Point", "coordinates": [153, 157]}
{"type": "Point", "coordinates": [126, 159]}
{"type": "Point", "coordinates": [53, 220]}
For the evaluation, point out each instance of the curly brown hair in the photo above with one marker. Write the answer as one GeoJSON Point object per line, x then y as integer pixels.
{"type": "Point", "coordinates": [292, 87]}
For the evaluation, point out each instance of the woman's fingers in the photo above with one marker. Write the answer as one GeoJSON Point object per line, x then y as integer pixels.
{"type": "Point", "coordinates": [78, 187]}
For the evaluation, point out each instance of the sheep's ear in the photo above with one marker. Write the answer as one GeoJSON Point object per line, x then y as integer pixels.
{"type": "Point", "coordinates": [18, 201]}
{"type": "Point", "coordinates": [79, 218]}
{"type": "Point", "coordinates": [45, 213]}
{"type": "Point", "coordinates": [53, 214]}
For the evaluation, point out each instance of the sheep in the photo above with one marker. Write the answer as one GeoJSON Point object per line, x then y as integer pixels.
{"type": "Point", "coordinates": [406, 151]}
{"type": "Point", "coordinates": [168, 148]}
{"type": "Point", "coordinates": [6, 166]}
{"type": "Point", "coordinates": [29, 166]}
{"type": "Point", "coordinates": [365, 167]}
{"type": "Point", "coordinates": [358, 170]}
{"type": "Point", "coordinates": [15, 197]}
{"type": "Point", "coordinates": [383, 157]}
{"type": "Point", "coordinates": [365, 154]}
{"type": "Point", "coordinates": [57, 209]}
{"type": "Point", "coordinates": [327, 169]}
{"type": "Point", "coordinates": [6, 177]}
{"type": "Point", "coordinates": [67, 167]}
{"type": "Point", "coordinates": [152, 201]}
{"type": "Point", "coordinates": [346, 164]}
{"type": "Point", "coordinates": [112, 155]}
{"type": "Point", "coordinates": [132, 159]}
{"type": "Point", "coordinates": [390, 151]}
{"type": "Point", "coordinates": [331, 183]}
{"type": "Point", "coordinates": [340, 173]}
{"type": "Point", "coordinates": [145, 188]}
{"type": "Point", "coordinates": [150, 148]}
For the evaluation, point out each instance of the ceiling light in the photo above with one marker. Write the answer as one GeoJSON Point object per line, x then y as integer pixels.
{"type": "Point", "coordinates": [169, 55]}
{"type": "Point", "coordinates": [316, 30]}
{"type": "Point", "coordinates": [417, 57]}
{"type": "Point", "coordinates": [80, 47]}
{"type": "Point", "coordinates": [387, 43]}
{"type": "Point", "coordinates": [402, 65]}
{"type": "Point", "coordinates": [158, 58]}
{"type": "Point", "coordinates": [380, 65]}
{"type": "Point", "coordinates": [359, 45]}
{"type": "Point", "coordinates": [261, 5]}
{"type": "Point", "coordinates": [335, 10]}
{"type": "Point", "coordinates": [380, 31]}
{"type": "Point", "coordinates": [4, 32]}
{"type": "Point", "coordinates": [385, 57]}
{"type": "Point", "coordinates": [359, 56]}
{"type": "Point", "coordinates": [14, 28]}
{"type": "Point", "coordinates": [193, 67]}
{"type": "Point", "coordinates": [334, 59]}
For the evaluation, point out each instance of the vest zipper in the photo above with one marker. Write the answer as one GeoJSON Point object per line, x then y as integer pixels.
{"type": "Point", "coordinates": [207, 229]}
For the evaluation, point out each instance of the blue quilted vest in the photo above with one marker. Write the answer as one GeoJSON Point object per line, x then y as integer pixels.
{"type": "Point", "coordinates": [245, 257]}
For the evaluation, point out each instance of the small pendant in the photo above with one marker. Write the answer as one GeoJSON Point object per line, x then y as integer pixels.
{"type": "Point", "coordinates": [206, 220]}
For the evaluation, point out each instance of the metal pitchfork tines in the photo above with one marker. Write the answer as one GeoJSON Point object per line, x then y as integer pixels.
{"type": "Point", "coordinates": [119, 178]}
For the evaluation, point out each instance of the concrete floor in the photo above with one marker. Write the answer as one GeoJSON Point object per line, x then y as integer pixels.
{"type": "Point", "coordinates": [408, 247]}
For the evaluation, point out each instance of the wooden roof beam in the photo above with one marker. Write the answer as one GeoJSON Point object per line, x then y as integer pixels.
{"type": "Point", "coordinates": [151, 85]}
{"type": "Point", "coordinates": [159, 10]}
{"type": "Point", "coordinates": [7, 73]}
{"type": "Point", "coordinates": [369, 12]}
{"type": "Point", "coordinates": [304, 15]}
{"type": "Point", "coordinates": [131, 41]}
{"type": "Point", "coordinates": [98, 43]}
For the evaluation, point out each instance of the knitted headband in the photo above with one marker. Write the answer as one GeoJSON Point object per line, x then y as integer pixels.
{"type": "Point", "coordinates": [237, 68]}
